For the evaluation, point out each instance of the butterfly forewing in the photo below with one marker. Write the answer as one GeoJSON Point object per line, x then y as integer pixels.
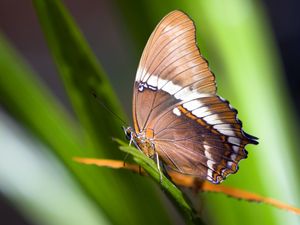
{"type": "Point", "coordinates": [192, 129]}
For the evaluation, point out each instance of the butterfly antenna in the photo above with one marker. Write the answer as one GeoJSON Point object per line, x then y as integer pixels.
{"type": "Point", "coordinates": [108, 109]}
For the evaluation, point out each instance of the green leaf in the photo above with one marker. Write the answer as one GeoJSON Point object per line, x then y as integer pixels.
{"type": "Point", "coordinates": [151, 168]}
{"type": "Point", "coordinates": [26, 98]}
{"type": "Point", "coordinates": [29, 101]}
{"type": "Point", "coordinates": [82, 75]}
{"type": "Point", "coordinates": [30, 181]}
{"type": "Point", "coordinates": [119, 195]}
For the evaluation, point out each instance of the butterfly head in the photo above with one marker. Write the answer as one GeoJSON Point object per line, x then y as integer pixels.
{"type": "Point", "coordinates": [140, 140]}
{"type": "Point", "coordinates": [128, 132]}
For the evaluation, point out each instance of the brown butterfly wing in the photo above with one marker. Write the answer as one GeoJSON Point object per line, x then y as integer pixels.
{"type": "Point", "coordinates": [207, 141]}
{"type": "Point", "coordinates": [170, 55]}
{"type": "Point", "coordinates": [195, 131]}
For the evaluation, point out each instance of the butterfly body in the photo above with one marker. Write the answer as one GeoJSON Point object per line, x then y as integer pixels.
{"type": "Point", "coordinates": [143, 140]}
{"type": "Point", "coordinates": [178, 117]}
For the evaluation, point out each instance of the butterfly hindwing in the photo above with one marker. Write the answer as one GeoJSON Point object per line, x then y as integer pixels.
{"type": "Point", "coordinates": [206, 142]}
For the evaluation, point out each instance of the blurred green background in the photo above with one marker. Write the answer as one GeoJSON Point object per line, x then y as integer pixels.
{"type": "Point", "coordinates": [48, 115]}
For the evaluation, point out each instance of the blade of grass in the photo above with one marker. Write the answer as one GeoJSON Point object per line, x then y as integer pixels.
{"type": "Point", "coordinates": [26, 98]}
{"type": "Point", "coordinates": [28, 174]}
{"type": "Point", "coordinates": [151, 168]}
{"type": "Point", "coordinates": [82, 75]}
{"type": "Point", "coordinates": [119, 195]}
{"type": "Point", "coordinates": [30, 102]}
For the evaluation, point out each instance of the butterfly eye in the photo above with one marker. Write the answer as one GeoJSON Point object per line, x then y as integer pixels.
{"type": "Point", "coordinates": [128, 133]}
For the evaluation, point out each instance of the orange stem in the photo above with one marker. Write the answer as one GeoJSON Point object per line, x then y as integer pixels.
{"type": "Point", "coordinates": [192, 182]}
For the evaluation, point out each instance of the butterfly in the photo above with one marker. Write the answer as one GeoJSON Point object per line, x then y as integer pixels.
{"type": "Point", "coordinates": [179, 119]}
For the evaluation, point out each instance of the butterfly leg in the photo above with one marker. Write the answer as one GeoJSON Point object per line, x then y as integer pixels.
{"type": "Point", "coordinates": [158, 167]}
{"type": "Point", "coordinates": [125, 158]}
{"type": "Point", "coordinates": [131, 140]}
{"type": "Point", "coordinates": [135, 144]}
{"type": "Point", "coordinates": [165, 171]}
